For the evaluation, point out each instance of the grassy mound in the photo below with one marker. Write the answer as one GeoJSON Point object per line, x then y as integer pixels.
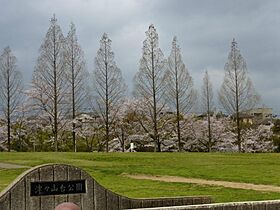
{"type": "Point", "coordinates": [107, 168]}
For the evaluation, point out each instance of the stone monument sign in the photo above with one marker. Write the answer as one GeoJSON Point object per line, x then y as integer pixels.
{"type": "Point", "coordinates": [47, 186]}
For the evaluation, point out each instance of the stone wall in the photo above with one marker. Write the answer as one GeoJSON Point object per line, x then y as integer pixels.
{"type": "Point", "coordinates": [55, 178]}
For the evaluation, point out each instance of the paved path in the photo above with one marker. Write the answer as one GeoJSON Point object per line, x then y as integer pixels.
{"type": "Point", "coordinates": [11, 166]}
{"type": "Point", "coordinates": [236, 185]}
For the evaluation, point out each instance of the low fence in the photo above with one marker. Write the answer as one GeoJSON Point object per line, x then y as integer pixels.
{"type": "Point", "coordinates": [252, 205]}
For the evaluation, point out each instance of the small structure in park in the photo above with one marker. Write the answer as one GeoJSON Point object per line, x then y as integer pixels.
{"type": "Point", "coordinates": [47, 187]}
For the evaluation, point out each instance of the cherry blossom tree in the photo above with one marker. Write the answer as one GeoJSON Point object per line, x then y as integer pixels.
{"type": "Point", "coordinates": [20, 130]}
{"type": "Point", "coordinates": [87, 129]}
{"type": "Point", "coordinates": [3, 135]}
{"type": "Point", "coordinates": [258, 139]}
{"type": "Point", "coordinates": [221, 136]}
{"type": "Point", "coordinates": [195, 134]}
{"type": "Point", "coordinates": [145, 125]}
{"type": "Point", "coordinates": [122, 127]}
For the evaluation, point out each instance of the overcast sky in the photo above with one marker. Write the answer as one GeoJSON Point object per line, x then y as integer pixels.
{"type": "Point", "coordinates": [204, 30]}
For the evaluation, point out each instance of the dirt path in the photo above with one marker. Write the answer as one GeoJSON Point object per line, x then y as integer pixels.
{"type": "Point", "coordinates": [11, 166]}
{"type": "Point", "coordinates": [236, 185]}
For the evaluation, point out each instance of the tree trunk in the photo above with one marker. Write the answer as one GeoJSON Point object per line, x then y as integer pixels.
{"type": "Point", "coordinates": [55, 94]}
{"type": "Point", "coordinates": [8, 107]}
{"type": "Point", "coordinates": [73, 101]}
{"type": "Point", "coordinates": [177, 105]}
{"type": "Point", "coordinates": [208, 118]}
{"type": "Point", "coordinates": [156, 137]}
{"type": "Point", "coordinates": [237, 109]}
{"type": "Point", "coordinates": [106, 102]}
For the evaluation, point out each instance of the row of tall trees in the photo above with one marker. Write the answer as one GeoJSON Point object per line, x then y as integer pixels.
{"type": "Point", "coordinates": [60, 89]}
{"type": "Point", "coordinates": [158, 80]}
{"type": "Point", "coordinates": [60, 82]}
{"type": "Point", "coordinates": [160, 83]}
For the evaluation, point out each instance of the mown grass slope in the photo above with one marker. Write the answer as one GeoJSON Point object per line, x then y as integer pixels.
{"type": "Point", "coordinates": [107, 168]}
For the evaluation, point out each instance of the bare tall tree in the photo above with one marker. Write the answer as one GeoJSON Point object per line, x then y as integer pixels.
{"type": "Point", "coordinates": [150, 81]}
{"type": "Point", "coordinates": [76, 75]}
{"type": "Point", "coordinates": [11, 87]}
{"type": "Point", "coordinates": [48, 83]}
{"type": "Point", "coordinates": [208, 106]}
{"type": "Point", "coordinates": [237, 93]}
{"type": "Point", "coordinates": [108, 85]}
{"type": "Point", "coordinates": [180, 92]}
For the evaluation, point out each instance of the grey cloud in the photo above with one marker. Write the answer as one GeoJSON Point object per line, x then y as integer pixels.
{"type": "Point", "coordinates": [204, 30]}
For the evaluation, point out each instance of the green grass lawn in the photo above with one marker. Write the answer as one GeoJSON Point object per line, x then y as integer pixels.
{"type": "Point", "coordinates": [107, 169]}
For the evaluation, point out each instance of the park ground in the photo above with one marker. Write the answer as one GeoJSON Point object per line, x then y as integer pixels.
{"type": "Point", "coordinates": [225, 177]}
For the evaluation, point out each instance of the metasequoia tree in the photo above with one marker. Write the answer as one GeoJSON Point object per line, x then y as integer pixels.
{"type": "Point", "coordinates": [109, 86]}
{"type": "Point", "coordinates": [237, 93]}
{"type": "Point", "coordinates": [180, 92]}
{"type": "Point", "coordinates": [11, 87]}
{"type": "Point", "coordinates": [150, 83]}
{"type": "Point", "coordinates": [48, 82]}
{"type": "Point", "coordinates": [76, 76]}
{"type": "Point", "coordinates": [207, 106]}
